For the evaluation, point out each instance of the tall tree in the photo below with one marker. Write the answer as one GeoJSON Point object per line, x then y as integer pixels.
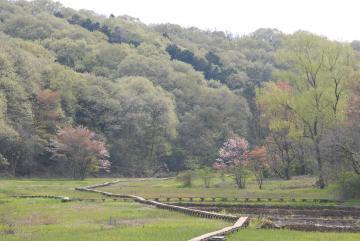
{"type": "Point", "coordinates": [80, 150]}
{"type": "Point", "coordinates": [233, 156]}
{"type": "Point", "coordinates": [143, 124]}
{"type": "Point", "coordinates": [259, 163]}
{"type": "Point", "coordinates": [272, 101]}
{"type": "Point", "coordinates": [318, 70]}
{"type": "Point", "coordinates": [347, 136]}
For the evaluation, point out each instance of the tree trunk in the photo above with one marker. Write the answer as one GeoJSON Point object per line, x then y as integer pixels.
{"type": "Point", "coordinates": [259, 180]}
{"type": "Point", "coordinates": [287, 171]}
{"type": "Point", "coordinates": [13, 165]}
{"type": "Point", "coordinates": [13, 168]}
{"type": "Point", "coordinates": [240, 180]}
{"type": "Point", "coordinates": [302, 169]}
{"type": "Point", "coordinates": [301, 156]}
{"type": "Point", "coordinates": [287, 162]}
{"type": "Point", "coordinates": [320, 182]}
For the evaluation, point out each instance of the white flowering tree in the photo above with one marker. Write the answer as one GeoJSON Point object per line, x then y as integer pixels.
{"type": "Point", "coordinates": [233, 158]}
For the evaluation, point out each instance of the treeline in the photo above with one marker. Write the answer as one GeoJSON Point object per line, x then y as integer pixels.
{"type": "Point", "coordinates": [155, 114]}
{"type": "Point", "coordinates": [165, 98]}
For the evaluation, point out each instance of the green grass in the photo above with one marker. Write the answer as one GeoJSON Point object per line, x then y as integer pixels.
{"type": "Point", "coordinates": [252, 234]}
{"type": "Point", "coordinates": [300, 187]}
{"type": "Point", "coordinates": [63, 187]}
{"type": "Point", "coordinates": [41, 219]}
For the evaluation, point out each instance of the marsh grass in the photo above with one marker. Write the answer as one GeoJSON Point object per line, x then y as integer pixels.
{"type": "Point", "coordinates": [298, 187]}
{"type": "Point", "coordinates": [40, 219]}
{"type": "Point", "coordinates": [253, 234]}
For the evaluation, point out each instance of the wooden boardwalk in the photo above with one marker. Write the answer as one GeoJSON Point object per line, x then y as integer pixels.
{"type": "Point", "coordinates": [240, 222]}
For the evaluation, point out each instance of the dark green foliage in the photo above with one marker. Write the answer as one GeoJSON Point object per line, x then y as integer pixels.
{"type": "Point", "coordinates": [348, 186]}
{"type": "Point", "coordinates": [85, 23]}
{"type": "Point", "coordinates": [185, 56]}
{"type": "Point", "coordinates": [211, 67]}
{"type": "Point", "coordinates": [176, 161]}
{"type": "Point", "coordinates": [212, 58]}
{"type": "Point", "coordinates": [159, 94]}
{"type": "Point", "coordinates": [115, 35]}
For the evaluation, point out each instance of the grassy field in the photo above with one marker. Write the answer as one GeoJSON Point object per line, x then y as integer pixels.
{"type": "Point", "coordinates": [45, 219]}
{"type": "Point", "coordinates": [41, 219]}
{"type": "Point", "coordinates": [253, 234]}
{"type": "Point", "coordinates": [297, 188]}
{"type": "Point", "coordinates": [9, 187]}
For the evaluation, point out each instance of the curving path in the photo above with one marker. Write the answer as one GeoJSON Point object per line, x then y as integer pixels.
{"type": "Point", "coordinates": [239, 222]}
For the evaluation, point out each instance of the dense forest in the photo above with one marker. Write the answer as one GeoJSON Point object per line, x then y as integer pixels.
{"type": "Point", "coordinates": [164, 98]}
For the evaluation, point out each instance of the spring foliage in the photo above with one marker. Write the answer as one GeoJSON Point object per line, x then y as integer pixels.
{"type": "Point", "coordinates": [80, 151]}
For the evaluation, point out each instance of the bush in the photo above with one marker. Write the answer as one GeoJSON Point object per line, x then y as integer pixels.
{"type": "Point", "coordinates": [186, 178]}
{"type": "Point", "coordinates": [3, 161]}
{"type": "Point", "coordinates": [348, 186]}
{"type": "Point", "coordinates": [206, 174]}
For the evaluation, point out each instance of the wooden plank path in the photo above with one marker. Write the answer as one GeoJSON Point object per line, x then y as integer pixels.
{"type": "Point", "coordinates": [62, 198]}
{"type": "Point", "coordinates": [240, 222]}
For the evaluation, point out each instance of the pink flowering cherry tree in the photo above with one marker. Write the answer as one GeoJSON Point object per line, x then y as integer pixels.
{"type": "Point", "coordinates": [233, 158]}
{"type": "Point", "coordinates": [80, 151]}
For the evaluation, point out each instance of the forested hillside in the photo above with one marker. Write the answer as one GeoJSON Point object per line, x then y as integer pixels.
{"type": "Point", "coordinates": [165, 98]}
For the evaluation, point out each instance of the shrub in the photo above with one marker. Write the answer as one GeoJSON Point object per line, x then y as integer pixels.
{"type": "Point", "coordinates": [206, 174]}
{"type": "Point", "coordinates": [348, 186]}
{"type": "Point", "coordinates": [3, 161]}
{"type": "Point", "coordinates": [186, 178]}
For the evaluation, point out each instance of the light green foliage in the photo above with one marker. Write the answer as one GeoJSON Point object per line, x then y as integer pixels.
{"type": "Point", "coordinates": [155, 69]}
{"type": "Point", "coordinates": [97, 51]}
{"type": "Point", "coordinates": [5, 128]}
{"type": "Point", "coordinates": [69, 52]}
{"type": "Point", "coordinates": [207, 174]}
{"type": "Point", "coordinates": [105, 59]}
{"type": "Point", "coordinates": [150, 120]}
{"type": "Point", "coordinates": [273, 101]}
{"type": "Point", "coordinates": [28, 27]}
{"type": "Point", "coordinates": [186, 178]}
{"type": "Point", "coordinates": [318, 72]}
{"type": "Point", "coordinates": [7, 133]}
